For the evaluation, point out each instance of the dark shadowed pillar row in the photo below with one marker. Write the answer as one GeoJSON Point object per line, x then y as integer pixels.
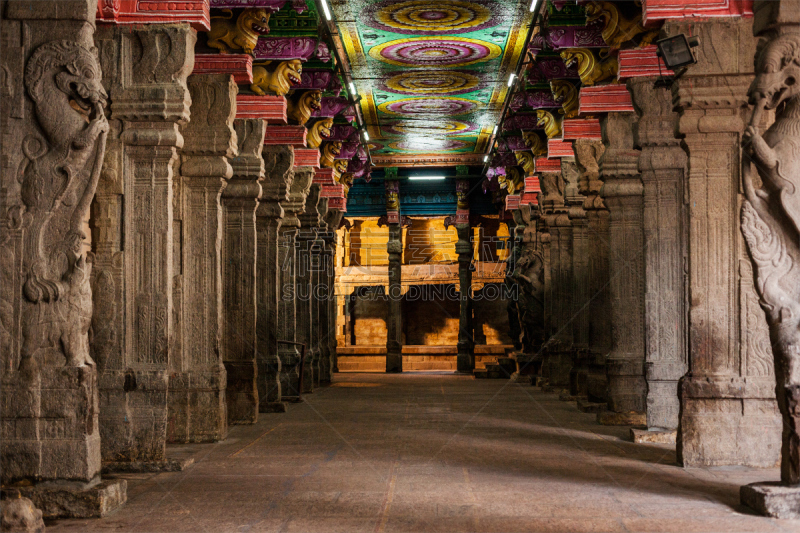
{"type": "Point", "coordinates": [239, 203]}
{"type": "Point", "coordinates": [394, 319]}
{"type": "Point", "coordinates": [278, 177]}
{"type": "Point", "coordinates": [622, 192]}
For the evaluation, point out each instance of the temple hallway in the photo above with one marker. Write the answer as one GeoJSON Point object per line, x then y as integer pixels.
{"type": "Point", "coordinates": [433, 452]}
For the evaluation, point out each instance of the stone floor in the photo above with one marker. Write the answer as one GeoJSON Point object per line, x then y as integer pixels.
{"type": "Point", "coordinates": [433, 452]}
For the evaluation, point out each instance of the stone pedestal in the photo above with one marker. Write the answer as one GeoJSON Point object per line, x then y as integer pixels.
{"type": "Point", "coordinates": [52, 156]}
{"type": "Point", "coordinates": [289, 354]}
{"type": "Point", "coordinates": [135, 303]}
{"type": "Point", "coordinates": [622, 192]}
{"type": "Point", "coordinates": [728, 412]}
{"type": "Point", "coordinates": [663, 167]}
{"type": "Point", "coordinates": [239, 250]}
{"type": "Point", "coordinates": [278, 177]}
{"type": "Point", "coordinates": [772, 499]}
{"type": "Point", "coordinates": [465, 359]}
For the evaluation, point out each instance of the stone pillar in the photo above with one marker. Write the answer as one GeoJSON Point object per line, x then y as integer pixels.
{"type": "Point", "coordinates": [287, 294]}
{"type": "Point", "coordinates": [557, 355]}
{"type": "Point", "coordinates": [198, 412]}
{"type": "Point", "coordinates": [394, 318]}
{"type": "Point", "coordinates": [728, 411]}
{"type": "Point", "coordinates": [579, 284]}
{"type": "Point", "coordinates": [278, 178]}
{"type": "Point", "coordinates": [587, 156]}
{"type": "Point", "coordinates": [622, 192]}
{"type": "Point", "coordinates": [52, 155]}
{"type": "Point", "coordinates": [663, 166]}
{"type": "Point", "coordinates": [138, 280]}
{"type": "Point", "coordinates": [465, 360]}
{"type": "Point", "coordinates": [307, 326]}
{"type": "Point", "coordinates": [335, 304]}
{"type": "Point", "coordinates": [239, 250]}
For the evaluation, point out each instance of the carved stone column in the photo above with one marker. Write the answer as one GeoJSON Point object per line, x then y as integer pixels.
{"type": "Point", "coordinates": [278, 177]}
{"type": "Point", "coordinates": [663, 167]}
{"type": "Point", "coordinates": [465, 360]}
{"type": "Point", "coordinates": [331, 309]}
{"type": "Point", "coordinates": [287, 295]}
{"type": "Point", "coordinates": [52, 154]}
{"type": "Point", "coordinates": [587, 156]}
{"type": "Point", "coordinates": [239, 250]}
{"type": "Point", "coordinates": [579, 284]}
{"type": "Point", "coordinates": [622, 192]}
{"type": "Point", "coordinates": [729, 390]}
{"type": "Point", "coordinates": [394, 318]}
{"type": "Point", "coordinates": [197, 384]}
{"type": "Point", "coordinates": [138, 280]}
{"type": "Point", "coordinates": [306, 275]}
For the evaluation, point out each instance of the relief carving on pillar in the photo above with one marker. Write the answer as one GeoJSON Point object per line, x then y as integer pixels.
{"type": "Point", "coordinates": [771, 224]}
{"type": "Point", "coordinates": [58, 177]}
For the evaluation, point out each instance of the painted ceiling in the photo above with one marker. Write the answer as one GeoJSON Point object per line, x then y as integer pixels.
{"type": "Point", "coordinates": [431, 73]}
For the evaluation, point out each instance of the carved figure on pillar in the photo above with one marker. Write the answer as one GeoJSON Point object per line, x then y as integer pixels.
{"type": "Point", "coordinates": [276, 77]}
{"type": "Point", "coordinates": [771, 227]}
{"type": "Point", "coordinates": [302, 104]}
{"type": "Point", "coordinates": [228, 36]}
{"type": "Point", "coordinates": [590, 69]}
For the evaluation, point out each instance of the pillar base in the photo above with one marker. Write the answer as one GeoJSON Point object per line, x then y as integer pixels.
{"type": "Point", "coordinates": [645, 436]}
{"type": "Point", "coordinates": [588, 406]}
{"type": "Point", "coordinates": [272, 407]}
{"type": "Point", "coordinates": [167, 465]}
{"type": "Point", "coordinates": [772, 499]}
{"type": "Point", "coordinates": [394, 363]}
{"type": "Point", "coordinates": [611, 418]}
{"type": "Point", "coordinates": [73, 500]}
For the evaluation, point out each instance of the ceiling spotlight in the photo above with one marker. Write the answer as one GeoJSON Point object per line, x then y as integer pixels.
{"type": "Point", "coordinates": [511, 79]}
{"type": "Point", "coordinates": [426, 177]}
{"type": "Point", "coordinates": [677, 50]}
{"type": "Point", "coordinates": [326, 10]}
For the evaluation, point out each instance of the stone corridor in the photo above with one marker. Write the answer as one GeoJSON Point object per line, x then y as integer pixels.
{"type": "Point", "coordinates": [422, 452]}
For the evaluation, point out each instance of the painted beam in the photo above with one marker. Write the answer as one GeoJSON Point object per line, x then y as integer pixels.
{"type": "Point", "coordinates": [654, 11]}
{"type": "Point", "coordinates": [240, 66]}
{"type": "Point", "coordinates": [124, 12]}
{"type": "Point", "coordinates": [556, 148]}
{"type": "Point", "coordinates": [605, 99]}
{"type": "Point", "coordinates": [305, 157]}
{"type": "Point", "coordinates": [580, 128]}
{"type": "Point", "coordinates": [544, 164]}
{"type": "Point", "coordinates": [641, 62]}
{"type": "Point", "coordinates": [290, 135]}
{"type": "Point", "coordinates": [270, 108]}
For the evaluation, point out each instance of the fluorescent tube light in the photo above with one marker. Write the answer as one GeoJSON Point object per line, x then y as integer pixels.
{"type": "Point", "coordinates": [327, 11]}
{"type": "Point", "coordinates": [486, 159]}
{"type": "Point", "coordinates": [426, 177]}
{"type": "Point", "coordinates": [352, 89]}
{"type": "Point", "coordinates": [511, 79]}
{"type": "Point", "coordinates": [366, 135]}
{"type": "Point", "coordinates": [494, 131]}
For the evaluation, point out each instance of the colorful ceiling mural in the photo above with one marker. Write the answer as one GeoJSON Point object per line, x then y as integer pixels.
{"type": "Point", "coordinates": [432, 73]}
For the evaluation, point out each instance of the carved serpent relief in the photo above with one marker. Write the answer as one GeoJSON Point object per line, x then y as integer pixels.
{"type": "Point", "coordinates": [771, 225]}
{"type": "Point", "coordinates": [58, 178]}
{"type": "Point", "coordinates": [228, 36]}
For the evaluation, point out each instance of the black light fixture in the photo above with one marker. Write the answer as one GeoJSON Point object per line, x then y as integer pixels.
{"type": "Point", "coordinates": [676, 51]}
{"type": "Point", "coordinates": [678, 54]}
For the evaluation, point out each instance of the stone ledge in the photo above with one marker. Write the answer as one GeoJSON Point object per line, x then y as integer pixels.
{"type": "Point", "coordinates": [610, 418]}
{"type": "Point", "coordinates": [585, 406]}
{"type": "Point", "coordinates": [168, 465]}
{"type": "Point", "coordinates": [772, 499]}
{"type": "Point", "coordinates": [643, 436]}
{"type": "Point", "coordinates": [73, 500]}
